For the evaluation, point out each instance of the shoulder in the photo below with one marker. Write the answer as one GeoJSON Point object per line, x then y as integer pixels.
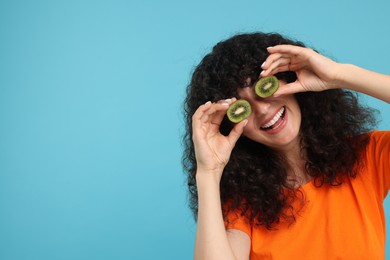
{"type": "Point", "coordinates": [376, 162]}
{"type": "Point", "coordinates": [379, 136]}
{"type": "Point", "coordinates": [378, 145]}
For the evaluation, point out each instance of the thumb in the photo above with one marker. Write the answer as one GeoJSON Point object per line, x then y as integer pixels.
{"type": "Point", "coordinates": [236, 132]}
{"type": "Point", "coordinates": [290, 88]}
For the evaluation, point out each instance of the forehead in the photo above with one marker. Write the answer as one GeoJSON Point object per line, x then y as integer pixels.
{"type": "Point", "coordinates": [247, 92]}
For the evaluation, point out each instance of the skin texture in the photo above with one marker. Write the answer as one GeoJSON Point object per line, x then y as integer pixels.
{"type": "Point", "coordinates": [263, 110]}
{"type": "Point", "coordinates": [213, 150]}
{"type": "Point", "coordinates": [317, 73]}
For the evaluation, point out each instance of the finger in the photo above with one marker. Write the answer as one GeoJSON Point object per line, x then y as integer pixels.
{"type": "Point", "coordinates": [219, 115]}
{"type": "Point", "coordinates": [216, 120]}
{"type": "Point", "coordinates": [281, 64]}
{"type": "Point", "coordinates": [286, 49]}
{"type": "Point", "coordinates": [228, 100]}
{"type": "Point", "coordinates": [216, 115]}
{"type": "Point", "coordinates": [200, 111]}
{"type": "Point", "coordinates": [278, 69]}
{"type": "Point", "coordinates": [213, 111]}
{"type": "Point", "coordinates": [290, 88]}
{"type": "Point", "coordinates": [296, 53]}
{"type": "Point", "coordinates": [236, 132]}
{"type": "Point", "coordinates": [271, 59]}
{"type": "Point", "coordinates": [196, 122]}
{"type": "Point", "coordinates": [277, 55]}
{"type": "Point", "coordinates": [295, 66]}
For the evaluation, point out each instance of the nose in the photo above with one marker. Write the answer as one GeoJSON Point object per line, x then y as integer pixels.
{"type": "Point", "coordinates": [260, 107]}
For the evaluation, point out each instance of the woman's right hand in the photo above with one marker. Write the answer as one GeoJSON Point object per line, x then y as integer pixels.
{"type": "Point", "coordinates": [212, 149]}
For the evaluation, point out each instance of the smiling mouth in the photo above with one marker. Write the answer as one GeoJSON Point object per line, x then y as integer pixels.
{"type": "Point", "coordinates": [276, 121]}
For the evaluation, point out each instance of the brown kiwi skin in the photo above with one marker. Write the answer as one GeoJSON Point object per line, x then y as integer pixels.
{"type": "Point", "coordinates": [238, 118]}
{"type": "Point", "coordinates": [258, 87]}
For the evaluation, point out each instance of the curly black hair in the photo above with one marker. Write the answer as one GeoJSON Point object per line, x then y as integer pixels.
{"type": "Point", "coordinates": [254, 180]}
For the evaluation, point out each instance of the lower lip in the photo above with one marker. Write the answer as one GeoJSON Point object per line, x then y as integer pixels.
{"type": "Point", "coordinates": [280, 127]}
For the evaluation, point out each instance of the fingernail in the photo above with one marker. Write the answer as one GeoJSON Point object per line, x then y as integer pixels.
{"type": "Point", "coordinates": [262, 65]}
{"type": "Point", "coordinates": [270, 47]}
{"type": "Point", "coordinates": [245, 122]}
{"type": "Point", "coordinates": [208, 102]}
{"type": "Point", "coordinates": [228, 99]}
{"type": "Point", "coordinates": [224, 104]}
{"type": "Point", "coordinates": [262, 72]}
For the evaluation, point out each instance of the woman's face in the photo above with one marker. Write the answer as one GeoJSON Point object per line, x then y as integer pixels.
{"type": "Point", "coordinates": [275, 121]}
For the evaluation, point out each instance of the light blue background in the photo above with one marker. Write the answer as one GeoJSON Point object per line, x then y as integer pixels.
{"type": "Point", "coordinates": [90, 113]}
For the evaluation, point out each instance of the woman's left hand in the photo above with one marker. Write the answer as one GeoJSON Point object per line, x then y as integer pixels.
{"type": "Point", "coordinates": [315, 72]}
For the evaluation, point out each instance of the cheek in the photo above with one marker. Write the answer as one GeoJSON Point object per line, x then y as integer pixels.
{"type": "Point", "coordinates": [250, 128]}
{"type": "Point", "coordinates": [295, 121]}
{"type": "Point", "coordinates": [298, 115]}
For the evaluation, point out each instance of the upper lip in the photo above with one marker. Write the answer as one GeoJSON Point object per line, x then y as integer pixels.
{"type": "Point", "coordinates": [270, 117]}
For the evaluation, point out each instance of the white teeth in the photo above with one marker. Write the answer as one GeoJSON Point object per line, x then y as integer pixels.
{"type": "Point", "coordinates": [275, 119]}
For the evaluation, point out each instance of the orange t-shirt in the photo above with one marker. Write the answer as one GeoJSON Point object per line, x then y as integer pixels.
{"type": "Point", "coordinates": [343, 222]}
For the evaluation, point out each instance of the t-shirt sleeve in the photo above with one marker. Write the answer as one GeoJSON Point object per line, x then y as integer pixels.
{"type": "Point", "coordinates": [235, 220]}
{"type": "Point", "coordinates": [378, 161]}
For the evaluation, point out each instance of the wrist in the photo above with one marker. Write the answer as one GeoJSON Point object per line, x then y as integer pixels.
{"type": "Point", "coordinates": [215, 169]}
{"type": "Point", "coordinates": [341, 78]}
{"type": "Point", "coordinates": [208, 176]}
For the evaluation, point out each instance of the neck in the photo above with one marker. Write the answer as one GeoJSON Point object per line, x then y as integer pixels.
{"type": "Point", "coordinates": [295, 159]}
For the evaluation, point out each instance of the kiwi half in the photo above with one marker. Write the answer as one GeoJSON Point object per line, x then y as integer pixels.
{"type": "Point", "coordinates": [239, 110]}
{"type": "Point", "coordinates": [266, 86]}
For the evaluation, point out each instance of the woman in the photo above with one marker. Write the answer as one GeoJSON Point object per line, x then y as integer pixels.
{"type": "Point", "coordinates": [303, 176]}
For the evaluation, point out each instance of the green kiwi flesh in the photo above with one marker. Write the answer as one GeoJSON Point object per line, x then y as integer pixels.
{"type": "Point", "coordinates": [266, 86]}
{"type": "Point", "coordinates": [239, 110]}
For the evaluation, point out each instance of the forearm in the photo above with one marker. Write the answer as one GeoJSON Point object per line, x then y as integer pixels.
{"type": "Point", "coordinates": [368, 82]}
{"type": "Point", "coordinates": [211, 239]}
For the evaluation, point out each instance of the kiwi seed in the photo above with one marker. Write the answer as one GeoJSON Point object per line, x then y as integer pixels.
{"type": "Point", "coordinates": [239, 110]}
{"type": "Point", "coordinates": [266, 86]}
